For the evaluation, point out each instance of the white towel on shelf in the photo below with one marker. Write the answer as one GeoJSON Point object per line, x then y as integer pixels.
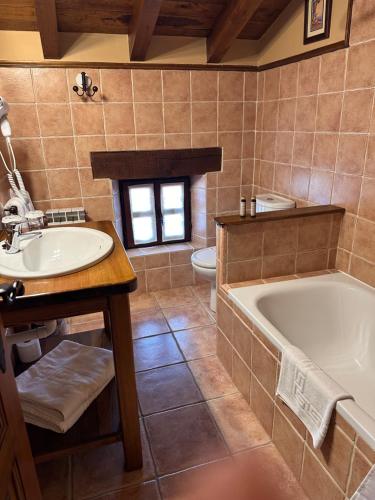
{"type": "Point", "coordinates": [366, 490]}
{"type": "Point", "coordinates": [56, 390]}
{"type": "Point", "coordinates": [309, 392]}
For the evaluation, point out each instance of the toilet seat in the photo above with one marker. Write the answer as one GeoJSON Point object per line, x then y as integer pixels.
{"type": "Point", "coordinates": [206, 258]}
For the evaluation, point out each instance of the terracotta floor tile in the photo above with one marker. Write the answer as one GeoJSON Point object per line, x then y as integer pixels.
{"type": "Point", "coordinates": [54, 479]}
{"type": "Point", "coordinates": [189, 483]}
{"type": "Point", "coordinates": [198, 342]}
{"type": "Point", "coordinates": [183, 438]}
{"type": "Point", "coordinates": [203, 292]}
{"type": "Point", "coordinates": [145, 491]}
{"type": "Point", "coordinates": [87, 327]}
{"type": "Point", "coordinates": [265, 474]}
{"type": "Point", "coordinates": [184, 317]}
{"type": "Point", "coordinates": [212, 378]}
{"type": "Point", "coordinates": [153, 352]}
{"type": "Point", "coordinates": [166, 388]}
{"type": "Point", "coordinates": [101, 470]}
{"type": "Point", "coordinates": [175, 297]}
{"type": "Point", "coordinates": [142, 301]}
{"type": "Point", "coordinates": [257, 475]}
{"type": "Point", "coordinates": [147, 323]}
{"type": "Point", "coordinates": [85, 318]}
{"type": "Point", "coordinates": [238, 423]}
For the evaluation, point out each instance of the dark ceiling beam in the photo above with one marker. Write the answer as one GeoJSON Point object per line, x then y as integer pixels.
{"type": "Point", "coordinates": [228, 26]}
{"type": "Point", "coordinates": [142, 25]}
{"type": "Point", "coordinates": [46, 17]}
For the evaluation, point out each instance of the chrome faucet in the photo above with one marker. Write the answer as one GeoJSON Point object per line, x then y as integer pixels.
{"type": "Point", "coordinates": [14, 238]}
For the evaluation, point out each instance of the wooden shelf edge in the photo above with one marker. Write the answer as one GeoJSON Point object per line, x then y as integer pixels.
{"type": "Point", "coordinates": [293, 213]}
{"type": "Point", "coordinates": [114, 437]}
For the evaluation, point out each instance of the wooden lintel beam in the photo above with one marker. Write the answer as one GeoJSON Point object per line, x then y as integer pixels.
{"type": "Point", "coordinates": [228, 26]}
{"type": "Point", "coordinates": [142, 25]}
{"type": "Point", "coordinates": [45, 11]}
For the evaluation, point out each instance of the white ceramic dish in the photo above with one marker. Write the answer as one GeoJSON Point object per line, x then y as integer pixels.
{"type": "Point", "coordinates": [332, 319]}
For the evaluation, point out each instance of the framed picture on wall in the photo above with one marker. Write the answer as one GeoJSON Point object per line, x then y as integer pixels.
{"type": "Point", "coordinates": [317, 20]}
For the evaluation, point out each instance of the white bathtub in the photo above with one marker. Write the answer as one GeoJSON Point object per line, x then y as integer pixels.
{"type": "Point", "coordinates": [332, 319]}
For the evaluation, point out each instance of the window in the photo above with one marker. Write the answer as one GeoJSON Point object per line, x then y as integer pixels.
{"type": "Point", "coordinates": [155, 211]}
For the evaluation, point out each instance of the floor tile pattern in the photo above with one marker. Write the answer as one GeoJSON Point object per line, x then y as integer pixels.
{"type": "Point", "coordinates": [200, 439]}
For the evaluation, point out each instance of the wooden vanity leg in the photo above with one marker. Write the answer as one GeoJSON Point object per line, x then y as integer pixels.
{"type": "Point", "coordinates": [119, 311]}
{"type": "Point", "coordinates": [107, 324]}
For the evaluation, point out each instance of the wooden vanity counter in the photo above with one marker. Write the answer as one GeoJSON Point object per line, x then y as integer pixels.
{"type": "Point", "coordinates": [102, 287]}
{"type": "Point", "coordinates": [113, 274]}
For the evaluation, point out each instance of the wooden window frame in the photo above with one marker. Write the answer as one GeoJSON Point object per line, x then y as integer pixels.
{"type": "Point", "coordinates": [127, 225]}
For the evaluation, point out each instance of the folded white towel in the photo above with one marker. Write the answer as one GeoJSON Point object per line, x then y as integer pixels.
{"type": "Point", "coordinates": [366, 490]}
{"type": "Point", "coordinates": [56, 390]}
{"type": "Point", "coordinates": [309, 392]}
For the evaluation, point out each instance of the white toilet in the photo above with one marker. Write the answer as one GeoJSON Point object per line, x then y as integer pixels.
{"type": "Point", "coordinates": [204, 260]}
{"type": "Point", "coordinates": [204, 264]}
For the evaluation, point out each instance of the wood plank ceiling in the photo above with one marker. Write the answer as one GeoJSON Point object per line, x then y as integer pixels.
{"type": "Point", "coordinates": [221, 21]}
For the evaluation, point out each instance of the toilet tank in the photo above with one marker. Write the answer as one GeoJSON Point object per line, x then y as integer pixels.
{"type": "Point", "coordinates": [268, 202]}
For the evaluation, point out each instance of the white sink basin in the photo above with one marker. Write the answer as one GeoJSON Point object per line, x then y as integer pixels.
{"type": "Point", "coordinates": [59, 251]}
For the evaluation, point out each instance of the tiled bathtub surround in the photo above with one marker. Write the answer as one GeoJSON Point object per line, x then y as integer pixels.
{"type": "Point", "coordinates": [277, 248]}
{"type": "Point", "coordinates": [134, 109]}
{"type": "Point", "coordinates": [334, 471]}
{"type": "Point", "coordinates": [315, 138]}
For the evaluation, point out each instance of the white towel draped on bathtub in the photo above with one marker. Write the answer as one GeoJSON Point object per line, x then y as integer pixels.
{"type": "Point", "coordinates": [366, 490]}
{"type": "Point", "coordinates": [56, 390]}
{"type": "Point", "coordinates": [309, 392]}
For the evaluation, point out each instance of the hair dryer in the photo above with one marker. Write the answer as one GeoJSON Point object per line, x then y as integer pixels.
{"type": "Point", "coordinates": [4, 123]}
{"type": "Point", "coordinates": [15, 175]}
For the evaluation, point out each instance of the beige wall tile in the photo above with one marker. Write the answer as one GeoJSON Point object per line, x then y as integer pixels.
{"type": "Point", "coordinates": [59, 152]}
{"type": "Point", "coordinates": [55, 119]}
{"type": "Point", "coordinates": [147, 85]}
{"type": "Point", "coordinates": [332, 71]}
{"type": "Point", "coordinates": [16, 84]}
{"type": "Point", "coordinates": [177, 117]}
{"type": "Point", "coordinates": [316, 482]}
{"type": "Point", "coordinates": [262, 405]}
{"type": "Point", "coordinates": [64, 183]}
{"type": "Point", "coordinates": [288, 442]}
{"type": "Point", "coordinates": [119, 118]}
{"type": "Point", "coordinates": [99, 208]}
{"type": "Point", "coordinates": [116, 85]}
{"type": "Point", "coordinates": [251, 85]}
{"type": "Point", "coordinates": [264, 367]}
{"type": "Point", "coordinates": [241, 376]}
{"type": "Point", "coordinates": [308, 77]}
{"type": "Point", "coordinates": [288, 80]}
{"type": "Point", "coordinates": [87, 119]}
{"type": "Point", "coordinates": [335, 454]}
{"type": "Point", "coordinates": [204, 85]}
{"type": "Point", "coordinates": [360, 469]}
{"type": "Point", "coordinates": [231, 86]}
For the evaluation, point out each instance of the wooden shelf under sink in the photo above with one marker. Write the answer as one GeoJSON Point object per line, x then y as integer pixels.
{"type": "Point", "coordinates": [99, 424]}
{"type": "Point", "coordinates": [103, 288]}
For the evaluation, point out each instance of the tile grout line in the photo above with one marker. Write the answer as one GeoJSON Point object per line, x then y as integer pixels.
{"type": "Point", "coordinates": [204, 401]}
{"type": "Point", "coordinates": [40, 138]}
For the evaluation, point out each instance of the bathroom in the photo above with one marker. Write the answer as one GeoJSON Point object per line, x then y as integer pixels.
{"type": "Point", "coordinates": [242, 138]}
